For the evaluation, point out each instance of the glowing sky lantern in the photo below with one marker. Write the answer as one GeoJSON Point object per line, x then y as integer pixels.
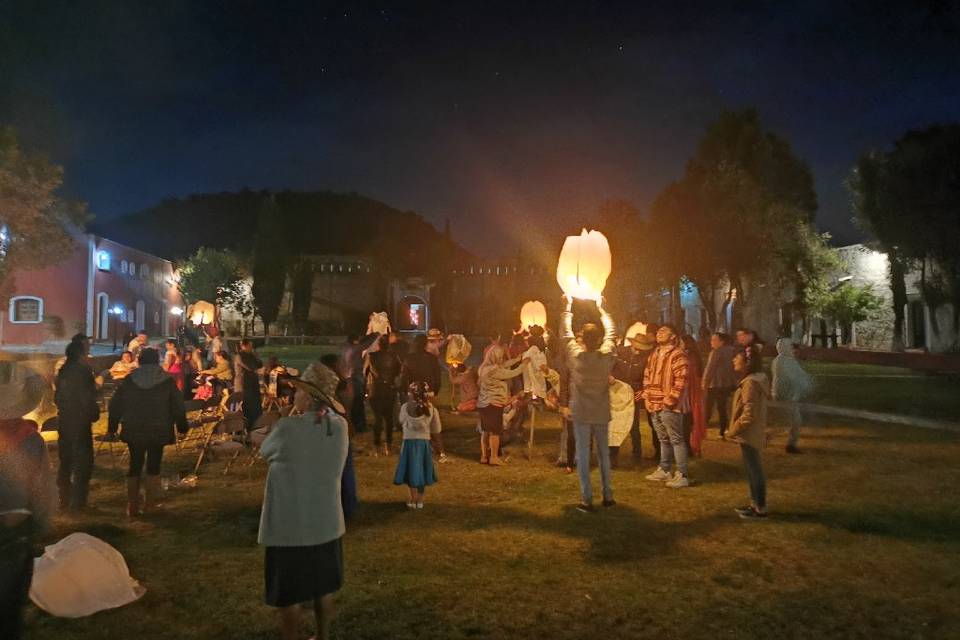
{"type": "Point", "coordinates": [584, 265]}
{"type": "Point", "coordinates": [636, 329]}
{"type": "Point", "coordinates": [533, 314]}
{"type": "Point", "coordinates": [201, 312]}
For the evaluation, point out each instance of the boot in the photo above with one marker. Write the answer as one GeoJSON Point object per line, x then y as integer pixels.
{"type": "Point", "coordinates": [133, 497]}
{"type": "Point", "coordinates": [495, 460]}
{"type": "Point", "coordinates": [153, 492]}
{"type": "Point", "coordinates": [484, 448]}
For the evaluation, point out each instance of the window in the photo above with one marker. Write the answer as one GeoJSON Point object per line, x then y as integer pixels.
{"type": "Point", "coordinates": [133, 268]}
{"type": "Point", "coordinates": [129, 315]}
{"type": "Point", "coordinates": [123, 266]}
{"type": "Point", "coordinates": [26, 310]}
{"type": "Point", "coordinates": [156, 317]}
{"type": "Point", "coordinates": [144, 270]}
{"type": "Point", "coordinates": [103, 261]}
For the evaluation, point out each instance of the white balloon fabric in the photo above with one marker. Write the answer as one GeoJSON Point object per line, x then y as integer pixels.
{"type": "Point", "coordinates": [584, 265]}
{"type": "Point", "coordinates": [533, 314]}
{"type": "Point", "coordinates": [81, 575]}
{"type": "Point", "coordinates": [621, 411]}
{"type": "Point", "coordinates": [458, 349]}
{"type": "Point", "coordinates": [201, 312]}
{"type": "Point", "coordinates": [379, 323]}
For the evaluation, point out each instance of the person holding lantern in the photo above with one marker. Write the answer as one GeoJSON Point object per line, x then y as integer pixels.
{"type": "Point", "coordinates": [590, 362]}
{"type": "Point", "coordinates": [664, 381]}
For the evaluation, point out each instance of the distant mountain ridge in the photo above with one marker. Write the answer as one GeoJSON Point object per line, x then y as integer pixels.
{"type": "Point", "coordinates": [316, 222]}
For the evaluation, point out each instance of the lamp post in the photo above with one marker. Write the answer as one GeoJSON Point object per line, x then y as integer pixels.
{"type": "Point", "coordinates": [117, 311]}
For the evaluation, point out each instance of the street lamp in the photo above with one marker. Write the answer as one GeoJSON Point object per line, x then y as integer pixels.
{"type": "Point", "coordinates": [116, 311]}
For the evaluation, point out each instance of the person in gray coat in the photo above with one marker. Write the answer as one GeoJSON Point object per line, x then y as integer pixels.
{"type": "Point", "coordinates": [719, 380]}
{"type": "Point", "coordinates": [590, 362]}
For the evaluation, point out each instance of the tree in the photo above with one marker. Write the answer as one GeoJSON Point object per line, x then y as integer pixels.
{"type": "Point", "coordinates": [213, 275]}
{"type": "Point", "coordinates": [849, 303]}
{"type": "Point", "coordinates": [35, 224]}
{"type": "Point", "coordinates": [269, 263]}
{"type": "Point", "coordinates": [908, 199]}
{"type": "Point", "coordinates": [742, 212]}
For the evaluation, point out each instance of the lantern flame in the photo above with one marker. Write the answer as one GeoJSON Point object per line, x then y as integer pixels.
{"type": "Point", "coordinates": [584, 265]}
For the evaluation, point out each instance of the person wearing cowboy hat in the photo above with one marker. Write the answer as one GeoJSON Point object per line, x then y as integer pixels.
{"type": "Point", "coordinates": [631, 360]}
{"type": "Point", "coordinates": [27, 497]}
{"type": "Point", "coordinates": [302, 521]}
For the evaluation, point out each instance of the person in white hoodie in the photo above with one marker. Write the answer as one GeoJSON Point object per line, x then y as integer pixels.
{"type": "Point", "coordinates": [790, 385]}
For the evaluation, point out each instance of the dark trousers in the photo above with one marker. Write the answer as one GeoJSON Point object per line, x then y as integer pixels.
{"type": "Point", "coordinates": [718, 397]}
{"type": "Point", "coordinates": [571, 442]}
{"type": "Point", "coordinates": [358, 410]}
{"type": "Point", "coordinates": [16, 572]}
{"type": "Point", "coordinates": [755, 477]}
{"type": "Point", "coordinates": [383, 416]}
{"type": "Point", "coordinates": [153, 455]}
{"type": "Point", "coordinates": [252, 407]}
{"type": "Point", "coordinates": [75, 447]}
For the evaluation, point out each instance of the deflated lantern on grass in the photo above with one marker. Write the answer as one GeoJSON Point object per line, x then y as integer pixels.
{"type": "Point", "coordinates": [584, 265]}
{"type": "Point", "coordinates": [533, 314]}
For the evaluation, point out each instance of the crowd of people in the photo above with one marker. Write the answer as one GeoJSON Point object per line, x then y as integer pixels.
{"type": "Point", "coordinates": [311, 489]}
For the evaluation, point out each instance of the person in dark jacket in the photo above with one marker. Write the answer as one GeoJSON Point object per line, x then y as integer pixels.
{"type": "Point", "coordinates": [631, 361]}
{"type": "Point", "coordinates": [719, 380]}
{"type": "Point", "coordinates": [420, 366]}
{"type": "Point", "coordinates": [351, 370]}
{"type": "Point", "coordinates": [145, 409]}
{"type": "Point", "coordinates": [246, 379]}
{"type": "Point", "coordinates": [382, 385]}
{"type": "Point", "coordinates": [27, 498]}
{"type": "Point", "coordinates": [78, 409]}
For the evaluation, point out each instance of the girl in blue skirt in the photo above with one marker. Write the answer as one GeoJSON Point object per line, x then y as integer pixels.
{"type": "Point", "coordinates": [419, 420]}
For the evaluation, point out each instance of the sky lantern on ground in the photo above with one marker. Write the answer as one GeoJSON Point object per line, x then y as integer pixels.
{"type": "Point", "coordinates": [201, 312]}
{"type": "Point", "coordinates": [533, 314]}
{"type": "Point", "coordinates": [584, 265]}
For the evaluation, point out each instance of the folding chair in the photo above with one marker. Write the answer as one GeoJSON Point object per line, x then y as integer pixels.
{"type": "Point", "coordinates": [226, 437]}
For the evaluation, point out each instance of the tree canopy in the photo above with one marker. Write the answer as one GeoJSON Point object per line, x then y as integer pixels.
{"type": "Point", "coordinates": [36, 225]}
{"type": "Point", "coordinates": [213, 275]}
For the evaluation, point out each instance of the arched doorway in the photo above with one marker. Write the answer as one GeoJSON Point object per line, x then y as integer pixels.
{"type": "Point", "coordinates": [141, 316]}
{"type": "Point", "coordinates": [103, 317]}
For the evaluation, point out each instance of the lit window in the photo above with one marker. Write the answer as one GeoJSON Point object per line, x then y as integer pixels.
{"type": "Point", "coordinates": [156, 317]}
{"type": "Point", "coordinates": [103, 261]}
{"type": "Point", "coordinates": [133, 269]}
{"type": "Point", "coordinates": [144, 270]}
{"type": "Point", "coordinates": [4, 240]}
{"type": "Point", "coordinates": [123, 266]}
{"type": "Point", "coordinates": [129, 315]}
{"type": "Point", "coordinates": [26, 310]}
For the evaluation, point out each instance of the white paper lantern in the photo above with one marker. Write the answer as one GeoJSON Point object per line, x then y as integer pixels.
{"type": "Point", "coordinates": [201, 312]}
{"type": "Point", "coordinates": [636, 329]}
{"type": "Point", "coordinates": [533, 314]}
{"type": "Point", "coordinates": [584, 265]}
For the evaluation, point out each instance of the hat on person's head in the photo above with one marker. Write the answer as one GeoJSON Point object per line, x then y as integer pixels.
{"type": "Point", "coordinates": [643, 341]}
{"type": "Point", "coordinates": [20, 398]}
{"type": "Point", "coordinates": [320, 382]}
{"type": "Point", "coordinates": [434, 334]}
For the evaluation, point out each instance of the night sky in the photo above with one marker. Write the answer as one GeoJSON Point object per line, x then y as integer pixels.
{"type": "Point", "coordinates": [498, 117]}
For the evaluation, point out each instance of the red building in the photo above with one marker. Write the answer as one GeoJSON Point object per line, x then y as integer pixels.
{"type": "Point", "coordinates": [104, 289]}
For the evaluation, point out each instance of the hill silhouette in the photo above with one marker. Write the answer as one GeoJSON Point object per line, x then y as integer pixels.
{"type": "Point", "coordinates": [315, 222]}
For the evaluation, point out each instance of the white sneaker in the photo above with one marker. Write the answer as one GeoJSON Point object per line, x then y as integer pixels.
{"type": "Point", "coordinates": [444, 459]}
{"type": "Point", "coordinates": [419, 505]}
{"type": "Point", "coordinates": [659, 475]}
{"type": "Point", "coordinates": [679, 481]}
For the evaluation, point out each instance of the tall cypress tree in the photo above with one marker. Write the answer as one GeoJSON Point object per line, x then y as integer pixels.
{"type": "Point", "coordinates": [269, 262]}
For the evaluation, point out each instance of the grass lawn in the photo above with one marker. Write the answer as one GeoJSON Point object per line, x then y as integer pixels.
{"type": "Point", "coordinates": [886, 389]}
{"type": "Point", "coordinates": [864, 542]}
{"type": "Point", "coordinates": [298, 356]}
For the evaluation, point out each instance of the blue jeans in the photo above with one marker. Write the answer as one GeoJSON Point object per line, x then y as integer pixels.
{"type": "Point", "coordinates": [755, 476]}
{"type": "Point", "coordinates": [673, 445]}
{"type": "Point", "coordinates": [601, 436]}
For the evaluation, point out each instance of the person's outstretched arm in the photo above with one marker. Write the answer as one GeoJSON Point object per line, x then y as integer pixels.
{"type": "Point", "coordinates": [609, 331]}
